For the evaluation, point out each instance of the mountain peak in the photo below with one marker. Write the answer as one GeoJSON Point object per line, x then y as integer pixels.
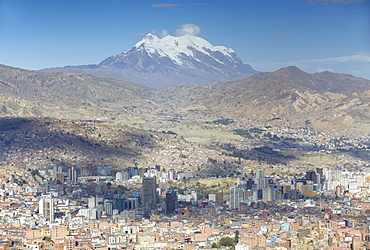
{"type": "Point", "coordinates": [150, 36]}
{"type": "Point", "coordinates": [181, 49]}
{"type": "Point", "coordinates": [290, 69]}
{"type": "Point", "coordinates": [173, 61]}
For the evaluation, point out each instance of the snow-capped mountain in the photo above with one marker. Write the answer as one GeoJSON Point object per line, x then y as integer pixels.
{"type": "Point", "coordinates": [170, 61]}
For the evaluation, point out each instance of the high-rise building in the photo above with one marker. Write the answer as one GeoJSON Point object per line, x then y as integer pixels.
{"type": "Point", "coordinates": [141, 171]}
{"type": "Point", "coordinates": [219, 198]}
{"type": "Point", "coordinates": [171, 175]}
{"type": "Point", "coordinates": [250, 182]}
{"type": "Point", "coordinates": [260, 174]}
{"type": "Point", "coordinates": [149, 195]}
{"type": "Point", "coordinates": [258, 194]}
{"type": "Point", "coordinates": [171, 201]}
{"type": "Point", "coordinates": [72, 175]}
{"type": "Point", "coordinates": [312, 176]}
{"type": "Point", "coordinates": [132, 203]}
{"type": "Point", "coordinates": [212, 197]}
{"type": "Point", "coordinates": [92, 202]}
{"type": "Point", "coordinates": [120, 204]}
{"type": "Point", "coordinates": [119, 176]}
{"type": "Point", "coordinates": [61, 177]}
{"type": "Point", "coordinates": [261, 181]}
{"type": "Point", "coordinates": [93, 213]}
{"type": "Point", "coordinates": [55, 171]}
{"type": "Point", "coordinates": [320, 171]}
{"type": "Point", "coordinates": [134, 171]}
{"type": "Point", "coordinates": [236, 196]}
{"type": "Point", "coordinates": [151, 172]}
{"type": "Point", "coordinates": [337, 175]}
{"type": "Point", "coordinates": [267, 194]}
{"type": "Point", "coordinates": [108, 207]}
{"type": "Point", "coordinates": [46, 207]}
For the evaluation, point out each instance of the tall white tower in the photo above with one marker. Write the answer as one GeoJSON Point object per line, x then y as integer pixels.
{"type": "Point", "coordinates": [46, 207]}
{"type": "Point", "coordinates": [236, 196]}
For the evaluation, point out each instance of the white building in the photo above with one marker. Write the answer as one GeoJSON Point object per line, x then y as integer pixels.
{"type": "Point", "coordinates": [236, 196]}
{"type": "Point", "coordinates": [46, 207]}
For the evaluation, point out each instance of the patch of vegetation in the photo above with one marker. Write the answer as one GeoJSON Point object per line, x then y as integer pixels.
{"type": "Point", "coordinates": [256, 130]}
{"type": "Point", "coordinates": [271, 137]}
{"type": "Point", "coordinates": [223, 121]}
{"type": "Point", "coordinates": [275, 119]}
{"type": "Point", "coordinates": [204, 187]}
{"type": "Point", "coordinates": [244, 133]}
{"type": "Point", "coordinates": [264, 154]}
{"type": "Point", "coordinates": [237, 236]}
{"type": "Point", "coordinates": [48, 239]}
{"type": "Point", "coordinates": [227, 242]}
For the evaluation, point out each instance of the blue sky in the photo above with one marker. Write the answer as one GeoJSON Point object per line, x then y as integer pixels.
{"type": "Point", "coordinates": [314, 35]}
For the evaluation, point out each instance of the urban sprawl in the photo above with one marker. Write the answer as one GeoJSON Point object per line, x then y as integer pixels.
{"type": "Point", "coordinates": [138, 209]}
{"type": "Point", "coordinates": [166, 205]}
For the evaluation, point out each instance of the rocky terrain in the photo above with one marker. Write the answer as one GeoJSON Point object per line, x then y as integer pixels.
{"type": "Point", "coordinates": [326, 102]}
{"type": "Point", "coordinates": [284, 118]}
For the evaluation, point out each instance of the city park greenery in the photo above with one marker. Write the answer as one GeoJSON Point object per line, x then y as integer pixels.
{"type": "Point", "coordinates": [227, 242]}
{"type": "Point", "coordinates": [206, 186]}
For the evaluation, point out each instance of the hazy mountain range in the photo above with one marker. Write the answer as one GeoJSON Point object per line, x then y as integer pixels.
{"type": "Point", "coordinates": [170, 61]}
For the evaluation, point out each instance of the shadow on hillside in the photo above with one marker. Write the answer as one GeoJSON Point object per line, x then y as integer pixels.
{"type": "Point", "coordinates": [45, 142]}
{"type": "Point", "coordinates": [286, 150]}
{"type": "Point", "coordinates": [360, 153]}
{"type": "Point", "coordinates": [261, 154]}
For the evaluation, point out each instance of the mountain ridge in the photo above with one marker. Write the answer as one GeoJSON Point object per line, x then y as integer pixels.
{"type": "Point", "coordinates": [287, 95]}
{"type": "Point", "coordinates": [156, 62]}
{"type": "Point", "coordinates": [35, 93]}
{"type": "Point", "coordinates": [323, 101]}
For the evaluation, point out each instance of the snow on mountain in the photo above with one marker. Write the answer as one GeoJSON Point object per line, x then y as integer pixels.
{"type": "Point", "coordinates": [185, 51]}
{"type": "Point", "coordinates": [170, 61]}
{"type": "Point", "coordinates": [175, 47]}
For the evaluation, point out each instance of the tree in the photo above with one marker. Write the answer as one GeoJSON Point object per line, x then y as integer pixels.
{"type": "Point", "coordinates": [215, 245]}
{"type": "Point", "coordinates": [251, 173]}
{"type": "Point", "coordinates": [48, 239]}
{"type": "Point", "coordinates": [227, 242]}
{"type": "Point", "coordinates": [236, 239]}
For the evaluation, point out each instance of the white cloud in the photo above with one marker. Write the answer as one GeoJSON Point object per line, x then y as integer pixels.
{"type": "Point", "coordinates": [351, 58]}
{"type": "Point", "coordinates": [188, 28]}
{"type": "Point", "coordinates": [164, 33]}
{"type": "Point", "coordinates": [325, 69]}
{"type": "Point", "coordinates": [182, 30]}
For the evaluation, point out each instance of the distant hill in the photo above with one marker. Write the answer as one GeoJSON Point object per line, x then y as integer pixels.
{"type": "Point", "coordinates": [325, 101]}
{"type": "Point", "coordinates": [170, 61]}
{"type": "Point", "coordinates": [329, 102]}
{"type": "Point", "coordinates": [35, 93]}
